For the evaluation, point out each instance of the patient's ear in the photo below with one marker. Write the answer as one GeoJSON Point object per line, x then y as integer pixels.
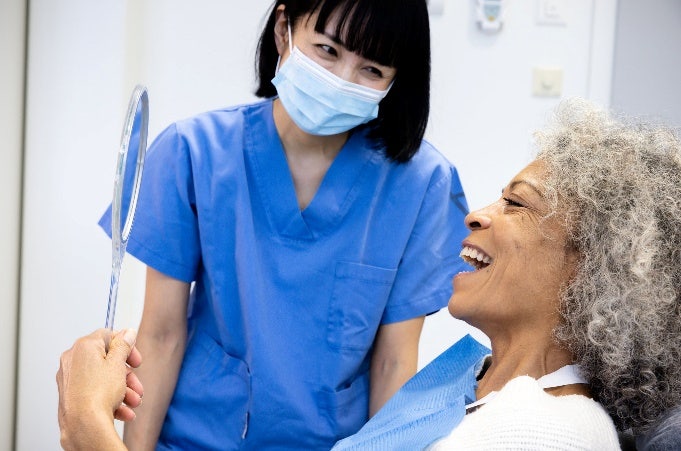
{"type": "Point", "coordinates": [572, 258]}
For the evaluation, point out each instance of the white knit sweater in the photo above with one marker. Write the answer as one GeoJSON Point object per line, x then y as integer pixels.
{"type": "Point", "coordinates": [522, 416]}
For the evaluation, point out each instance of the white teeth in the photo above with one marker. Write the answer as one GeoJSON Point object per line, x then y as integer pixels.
{"type": "Point", "coordinates": [475, 254]}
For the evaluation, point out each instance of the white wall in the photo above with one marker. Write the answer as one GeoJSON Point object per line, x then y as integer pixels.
{"type": "Point", "coordinates": [74, 109]}
{"type": "Point", "coordinates": [647, 77]}
{"type": "Point", "coordinates": [85, 58]}
{"type": "Point", "coordinates": [12, 45]}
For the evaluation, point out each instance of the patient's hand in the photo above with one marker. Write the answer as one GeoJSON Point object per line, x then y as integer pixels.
{"type": "Point", "coordinates": [97, 385]}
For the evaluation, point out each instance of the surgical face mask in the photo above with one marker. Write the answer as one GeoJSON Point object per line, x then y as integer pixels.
{"type": "Point", "coordinates": [319, 102]}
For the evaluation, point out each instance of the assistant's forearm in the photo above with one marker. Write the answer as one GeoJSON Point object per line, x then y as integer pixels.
{"type": "Point", "coordinates": [394, 360]}
{"type": "Point", "coordinates": [158, 373]}
{"type": "Point", "coordinates": [386, 379]}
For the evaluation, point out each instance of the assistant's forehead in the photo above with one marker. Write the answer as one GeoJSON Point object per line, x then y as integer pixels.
{"type": "Point", "coordinates": [373, 29]}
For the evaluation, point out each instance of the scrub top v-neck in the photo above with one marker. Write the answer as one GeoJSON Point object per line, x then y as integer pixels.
{"type": "Point", "coordinates": [273, 179]}
{"type": "Point", "coordinates": [285, 304]}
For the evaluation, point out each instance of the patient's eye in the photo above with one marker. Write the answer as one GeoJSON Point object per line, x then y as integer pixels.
{"type": "Point", "coordinates": [512, 203]}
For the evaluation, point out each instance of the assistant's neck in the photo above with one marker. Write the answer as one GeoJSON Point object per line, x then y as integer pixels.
{"type": "Point", "coordinates": [299, 144]}
{"type": "Point", "coordinates": [309, 157]}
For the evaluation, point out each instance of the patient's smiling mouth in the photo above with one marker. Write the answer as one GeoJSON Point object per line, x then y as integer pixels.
{"type": "Point", "coordinates": [475, 257]}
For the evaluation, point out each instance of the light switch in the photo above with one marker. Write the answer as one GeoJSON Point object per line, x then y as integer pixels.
{"type": "Point", "coordinates": [551, 12]}
{"type": "Point", "coordinates": [547, 81]}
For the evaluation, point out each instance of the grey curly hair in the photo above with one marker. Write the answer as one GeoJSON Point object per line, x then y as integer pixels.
{"type": "Point", "coordinates": [619, 186]}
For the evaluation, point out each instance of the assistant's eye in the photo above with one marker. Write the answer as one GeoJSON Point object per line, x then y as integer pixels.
{"type": "Point", "coordinates": [328, 49]}
{"type": "Point", "coordinates": [512, 203]}
{"type": "Point", "coordinates": [374, 71]}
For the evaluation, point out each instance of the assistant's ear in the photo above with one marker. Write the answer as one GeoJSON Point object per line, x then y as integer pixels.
{"type": "Point", "coordinates": [281, 30]}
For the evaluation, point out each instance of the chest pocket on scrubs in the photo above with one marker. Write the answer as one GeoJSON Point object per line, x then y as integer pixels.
{"type": "Point", "coordinates": [209, 409]}
{"type": "Point", "coordinates": [360, 294]}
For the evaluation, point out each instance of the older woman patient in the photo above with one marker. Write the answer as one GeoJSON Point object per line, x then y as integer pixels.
{"type": "Point", "coordinates": [577, 283]}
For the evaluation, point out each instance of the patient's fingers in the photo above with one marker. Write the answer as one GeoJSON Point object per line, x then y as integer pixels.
{"type": "Point", "coordinates": [135, 358]}
{"type": "Point", "coordinates": [124, 413]}
{"type": "Point", "coordinates": [134, 384]}
{"type": "Point", "coordinates": [132, 399]}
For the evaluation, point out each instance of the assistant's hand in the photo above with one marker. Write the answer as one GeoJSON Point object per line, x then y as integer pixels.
{"type": "Point", "coordinates": [96, 386]}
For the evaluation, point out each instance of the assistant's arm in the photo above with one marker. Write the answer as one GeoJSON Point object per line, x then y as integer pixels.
{"type": "Point", "coordinates": [394, 359]}
{"type": "Point", "coordinates": [161, 339]}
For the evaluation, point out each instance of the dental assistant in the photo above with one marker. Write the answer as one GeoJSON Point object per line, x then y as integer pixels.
{"type": "Point", "coordinates": [295, 245]}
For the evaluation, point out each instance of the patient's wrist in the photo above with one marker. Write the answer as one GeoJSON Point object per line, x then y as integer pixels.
{"type": "Point", "coordinates": [90, 430]}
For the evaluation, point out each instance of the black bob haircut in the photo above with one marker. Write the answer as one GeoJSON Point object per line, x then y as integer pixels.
{"type": "Point", "coordinates": [395, 33]}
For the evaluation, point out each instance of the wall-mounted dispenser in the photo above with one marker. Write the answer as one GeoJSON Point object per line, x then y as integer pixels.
{"type": "Point", "coordinates": [490, 14]}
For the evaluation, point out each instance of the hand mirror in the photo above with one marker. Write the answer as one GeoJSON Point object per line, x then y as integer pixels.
{"type": "Point", "coordinates": [129, 167]}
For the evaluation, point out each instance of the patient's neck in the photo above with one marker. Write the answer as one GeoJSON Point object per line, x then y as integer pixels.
{"type": "Point", "coordinates": [514, 356]}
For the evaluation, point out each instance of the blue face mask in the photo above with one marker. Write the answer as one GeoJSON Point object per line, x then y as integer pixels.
{"type": "Point", "coordinates": [319, 102]}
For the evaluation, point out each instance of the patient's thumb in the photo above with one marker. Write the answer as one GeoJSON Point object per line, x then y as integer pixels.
{"type": "Point", "coordinates": [121, 345]}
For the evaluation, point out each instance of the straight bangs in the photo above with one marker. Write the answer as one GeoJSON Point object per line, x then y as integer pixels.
{"type": "Point", "coordinates": [378, 30]}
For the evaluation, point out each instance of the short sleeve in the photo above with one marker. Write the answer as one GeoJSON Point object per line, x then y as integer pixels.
{"type": "Point", "coordinates": [423, 283]}
{"type": "Point", "coordinates": [165, 235]}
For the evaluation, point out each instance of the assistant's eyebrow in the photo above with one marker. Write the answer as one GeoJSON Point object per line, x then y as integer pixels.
{"type": "Point", "coordinates": [334, 38]}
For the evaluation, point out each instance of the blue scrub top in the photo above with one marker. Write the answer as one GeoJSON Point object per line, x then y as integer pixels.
{"type": "Point", "coordinates": [286, 303]}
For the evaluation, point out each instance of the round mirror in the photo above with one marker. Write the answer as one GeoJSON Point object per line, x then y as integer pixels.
{"type": "Point", "coordinates": [127, 179]}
